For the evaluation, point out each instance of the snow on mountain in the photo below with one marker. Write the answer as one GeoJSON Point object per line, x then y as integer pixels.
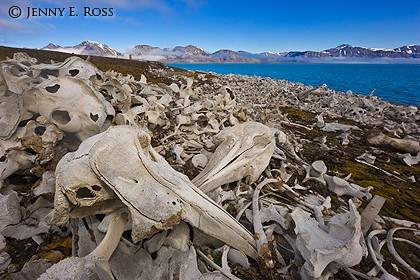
{"type": "Point", "coordinates": [194, 54]}
{"type": "Point", "coordinates": [85, 48]}
{"type": "Point", "coordinates": [348, 51]}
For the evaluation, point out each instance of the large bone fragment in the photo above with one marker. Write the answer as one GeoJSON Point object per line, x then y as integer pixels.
{"type": "Point", "coordinates": [95, 265]}
{"type": "Point", "coordinates": [71, 104]}
{"type": "Point", "coordinates": [246, 151]}
{"type": "Point", "coordinates": [157, 196]}
{"type": "Point", "coordinates": [382, 140]}
{"type": "Point", "coordinates": [342, 244]}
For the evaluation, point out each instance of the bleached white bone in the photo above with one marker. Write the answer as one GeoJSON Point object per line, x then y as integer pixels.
{"type": "Point", "coordinates": [246, 150]}
{"type": "Point", "coordinates": [73, 67]}
{"type": "Point", "coordinates": [157, 196]}
{"type": "Point", "coordinates": [96, 263]}
{"type": "Point", "coordinates": [381, 140]}
{"type": "Point", "coordinates": [71, 104]}
{"type": "Point", "coordinates": [11, 112]}
{"type": "Point", "coordinates": [342, 244]}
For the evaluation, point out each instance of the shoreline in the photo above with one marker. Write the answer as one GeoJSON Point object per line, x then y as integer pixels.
{"type": "Point", "coordinates": [337, 76]}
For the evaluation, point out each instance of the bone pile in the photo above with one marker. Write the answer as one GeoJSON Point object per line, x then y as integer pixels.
{"type": "Point", "coordinates": [180, 181]}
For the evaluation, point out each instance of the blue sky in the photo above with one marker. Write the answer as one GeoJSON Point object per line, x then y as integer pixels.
{"type": "Point", "coordinates": [254, 26]}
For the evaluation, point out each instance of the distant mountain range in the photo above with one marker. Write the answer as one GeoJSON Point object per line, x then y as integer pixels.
{"type": "Point", "coordinates": [193, 54]}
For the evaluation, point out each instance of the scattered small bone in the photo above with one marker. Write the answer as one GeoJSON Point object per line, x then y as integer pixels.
{"type": "Point", "coordinates": [31, 270]}
{"type": "Point", "coordinates": [199, 161]}
{"type": "Point", "coordinates": [334, 127]}
{"type": "Point", "coordinates": [344, 137]}
{"type": "Point", "coordinates": [403, 223]}
{"type": "Point", "coordinates": [278, 214]}
{"type": "Point", "coordinates": [220, 196]}
{"type": "Point", "coordinates": [143, 79]}
{"type": "Point", "coordinates": [378, 168]}
{"type": "Point", "coordinates": [322, 140]}
{"type": "Point", "coordinates": [155, 242]}
{"type": "Point", "coordinates": [296, 125]}
{"type": "Point", "coordinates": [96, 263]}
{"type": "Point", "coordinates": [174, 87]}
{"type": "Point", "coordinates": [342, 187]}
{"type": "Point", "coordinates": [179, 237]}
{"type": "Point", "coordinates": [316, 172]}
{"type": "Point", "coordinates": [215, 266]}
{"type": "Point", "coordinates": [15, 161]}
{"type": "Point", "coordinates": [320, 121]}
{"type": "Point", "coordinates": [367, 157]}
{"type": "Point", "coordinates": [412, 179]}
{"type": "Point", "coordinates": [10, 213]}
{"type": "Point", "coordinates": [38, 239]}
{"type": "Point", "coordinates": [36, 223]}
{"type": "Point", "coordinates": [47, 184]}
{"type": "Point", "coordinates": [393, 252]}
{"type": "Point", "coordinates": [263, 249]}
{"type": "Point", "coordinates": [237, 257]}
{"type": "Point", "coordinates": [284, 174]}
{"type": "Point", "coordinates": [409, 159]}
{"type": "Point", "coordinates": [5, 260]}
{"type": "Point", "coordinates": [177, 151]}
{"type": "Point", "coordinates": [381, 140]}
{"type": "Point", "coordinates": [371, 211]}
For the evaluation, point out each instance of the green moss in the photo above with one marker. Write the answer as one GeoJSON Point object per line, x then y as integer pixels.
{"type": "Point", "coordinates": [402, 201]}
{"type": "Point", "coordinates": [217, 258]}
{"type": "Point", "coordinates": [295, 113]}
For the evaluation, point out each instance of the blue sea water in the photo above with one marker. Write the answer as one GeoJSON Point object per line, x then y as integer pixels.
{"type": "Point", "coordinates": [398, 83]}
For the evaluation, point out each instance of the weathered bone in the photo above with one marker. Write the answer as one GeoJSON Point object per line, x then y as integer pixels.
{"type": "Point", "coordinates": [70, 104]}
{"type": "Point", "coordinates": [246, 150]}
{"type": "Point", "coordinates": [381, 140]}
{"type": "Point", "coordinates": [72, 67]}
{"type": "Point", "coordinates": [96, 263]}
{"type": "Point", "coordinates": [342, 187]}
{"type": "Point", "coordinates": [123, 158]}
{"type": "Point", "coordinates": [77, 185]}
{"type": "Point", "coordinates": [149, 178]}
{"type": "Point", "coordinates": [15, 160]}
{"type": "Point", "coordinates": [342, 244]}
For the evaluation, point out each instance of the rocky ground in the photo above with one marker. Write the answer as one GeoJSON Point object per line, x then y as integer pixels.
{"type": "Point", "coordinates": [305, 115]}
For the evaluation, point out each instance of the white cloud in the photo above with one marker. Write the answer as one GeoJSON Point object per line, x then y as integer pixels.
{"type": "Point", "coordinates": [194, 4]}
{"type": "Point", "coordinates": [11, 25]}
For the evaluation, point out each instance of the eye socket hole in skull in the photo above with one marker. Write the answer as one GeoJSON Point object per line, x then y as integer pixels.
{"type": "Point", "coordinates": [53, 89]}
{"type": "Point", "coordinates": [94, 117]}
{"type": "Point", "coordinates": [61, 117]}
{"type": "Point", "coordinates": [84, 193]}
{"type": "Point", "coordinates": [73, 72]}
{"type": "Point", "coordinates": [96, 188]}
{"type": "Point", "coordinates": [39, 130]}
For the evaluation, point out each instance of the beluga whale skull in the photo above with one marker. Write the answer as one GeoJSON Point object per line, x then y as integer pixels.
{"type": "Point", "coordinates": [71, 104]}
{"type": "Point", "coordinates": [245, 151]}
{"type": "Point", "coordinates": [120, 164]}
